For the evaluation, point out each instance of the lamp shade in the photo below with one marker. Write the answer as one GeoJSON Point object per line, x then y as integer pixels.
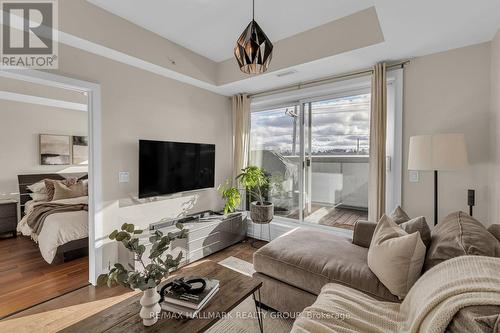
{"type": "Point", "coordinates": [253, 50]}
{"type": "Point", "coordinates": [437, 152]}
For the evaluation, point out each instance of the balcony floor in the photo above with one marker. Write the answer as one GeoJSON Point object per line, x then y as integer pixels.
{"type": "Point", "coordinates": [344, 218]}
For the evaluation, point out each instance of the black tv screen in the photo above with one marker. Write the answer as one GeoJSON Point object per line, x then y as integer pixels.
{"type": "Point", "coordinates": [171, 167]}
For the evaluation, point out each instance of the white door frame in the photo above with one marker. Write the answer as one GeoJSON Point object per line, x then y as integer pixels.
{"type": "Point", "coordinates": [93, 91]}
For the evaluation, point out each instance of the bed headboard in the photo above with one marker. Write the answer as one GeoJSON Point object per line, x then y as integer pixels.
{"type": "Point", "coordinates": [27, 180]}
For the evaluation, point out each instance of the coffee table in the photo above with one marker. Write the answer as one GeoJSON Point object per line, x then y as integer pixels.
{"type": "Point", "coordinates": [233, 289]}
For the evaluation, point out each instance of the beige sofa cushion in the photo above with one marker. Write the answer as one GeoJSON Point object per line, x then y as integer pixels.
{"type": "Point", "coordinates": [459, 234]}
{"type": "Point", "coordinates": [395, 256]}
{"type": "Point", "coordinates": [309, 259]}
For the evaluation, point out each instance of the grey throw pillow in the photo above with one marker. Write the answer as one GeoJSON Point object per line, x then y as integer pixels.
{"type": "Point", "coordinates": [418, 224]}
{"type": "Point", "coordinates": [494, 229]}
{"type": "Point", "coordinates": [399, 215]}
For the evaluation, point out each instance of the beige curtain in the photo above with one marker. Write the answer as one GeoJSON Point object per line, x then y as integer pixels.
{"type": "Point", "coordinates": [378, 125]}
{"type": "Point", "coordinates": [241, 132]}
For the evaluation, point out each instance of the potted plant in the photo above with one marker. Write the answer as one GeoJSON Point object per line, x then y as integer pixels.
{"type": "Point", "coordinates": [149, 277]}
{"type": "Point", "coordinates": [253, 179]}
{"type": "Point", "coordinates": [231, 195]}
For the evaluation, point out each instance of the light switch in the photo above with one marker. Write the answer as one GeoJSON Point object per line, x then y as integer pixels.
{"type": "Point", "coordinates": [123, 177]}
{"type": "Point", "coordinates": [414, 176]}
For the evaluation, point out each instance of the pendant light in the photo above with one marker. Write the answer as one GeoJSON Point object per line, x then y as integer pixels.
{"type": "Point", "coordinates": [253, 50]}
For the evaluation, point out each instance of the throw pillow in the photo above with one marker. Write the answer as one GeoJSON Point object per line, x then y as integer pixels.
{"type": "Point", "coordinates": [62, 191]}
{"type": "Point", "coordinates": [38, 196]}
{"type": "Point", "coordinates": [418, 224]}
{"type": "Point", "coordinates": [459, 234]}
{"type": "Point", "coordinates": [494, 229]}
{"type": "Point", "coordinates": [38, 187]}
{"type": "Point", "coordinates": [49, 185]}
{"type": "Point", "coordinates": [399, 215]}
{"type": "Point", "coordinates": [395, 256]}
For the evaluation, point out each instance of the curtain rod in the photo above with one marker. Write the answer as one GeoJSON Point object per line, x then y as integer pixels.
{"type": "Point", "coordinates": [334, 78]}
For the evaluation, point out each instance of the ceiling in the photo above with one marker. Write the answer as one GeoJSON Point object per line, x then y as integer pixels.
{"type": "Point", "coordinates": [411, 28]}
{"type": "Point", "coordinates": [211, 28]}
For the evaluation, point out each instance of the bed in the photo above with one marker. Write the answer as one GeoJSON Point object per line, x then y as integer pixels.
{"type": "Point", "coordinates": [64, 235]}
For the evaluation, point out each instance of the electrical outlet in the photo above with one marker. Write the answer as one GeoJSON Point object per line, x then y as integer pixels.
{"type": "Point", "coordinates": [123, 177]}
{"type": "Point", "coordinates": [414, 176]}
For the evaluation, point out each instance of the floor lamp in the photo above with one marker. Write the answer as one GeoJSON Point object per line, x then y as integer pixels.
{"type": "Point", "coordinates": [438, 152]}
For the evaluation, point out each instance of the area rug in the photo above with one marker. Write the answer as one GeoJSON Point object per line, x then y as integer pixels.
{"type": "Point", "coordinates": [243, 318]}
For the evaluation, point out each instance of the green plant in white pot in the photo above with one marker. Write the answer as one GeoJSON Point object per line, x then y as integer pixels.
{"type": "Point", "coordinates": [149, 277]}
{"type": "Point", "coordinates": [253, 179]}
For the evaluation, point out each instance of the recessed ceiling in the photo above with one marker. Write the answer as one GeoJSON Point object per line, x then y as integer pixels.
{"type": "Point", "coordinates": [410, 28]}
{"type": "Point", "coordinates": [211, 27]}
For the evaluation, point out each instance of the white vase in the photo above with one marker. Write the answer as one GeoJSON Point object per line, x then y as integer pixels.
{"type": "Point", "coordinates": [150, 307]}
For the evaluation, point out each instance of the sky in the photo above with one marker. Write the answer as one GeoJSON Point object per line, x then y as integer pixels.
{"type": "Point", "coordinates": [337, 124]}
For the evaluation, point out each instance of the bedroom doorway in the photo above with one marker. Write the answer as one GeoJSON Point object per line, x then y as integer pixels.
{"type": "Point", "coordinates": [51, 186]}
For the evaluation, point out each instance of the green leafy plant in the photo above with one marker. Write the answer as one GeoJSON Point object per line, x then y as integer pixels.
{"type": "Point", "coordinates": [154, 272]}
{"type": "Point", "coordinates": [253, 179]}
{"type": "Point", "coordinates": [231, 195]}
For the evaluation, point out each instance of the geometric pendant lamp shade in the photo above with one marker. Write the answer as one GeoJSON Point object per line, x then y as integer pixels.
{"type": "Point", "coordinates": [253, 50]}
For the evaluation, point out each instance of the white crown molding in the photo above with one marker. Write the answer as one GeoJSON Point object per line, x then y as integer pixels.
{"type": "Point", "coordinates": [23, 98]}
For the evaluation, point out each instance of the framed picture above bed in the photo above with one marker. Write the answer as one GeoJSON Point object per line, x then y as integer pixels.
{"type": "Point", "coordinates": [54, 149]}
{"type": "Point", "coordinates": [80, 145]}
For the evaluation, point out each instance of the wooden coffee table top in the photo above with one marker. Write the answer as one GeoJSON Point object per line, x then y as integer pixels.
{"type": "Point", "coordinates": [124, 316]}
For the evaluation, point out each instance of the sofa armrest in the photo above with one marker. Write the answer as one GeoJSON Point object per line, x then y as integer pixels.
{"type": "Point", "coordinates": [363, 233]}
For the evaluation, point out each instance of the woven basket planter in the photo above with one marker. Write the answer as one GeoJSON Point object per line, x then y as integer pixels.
{"type": "Point", "coordinates": [261, 213]}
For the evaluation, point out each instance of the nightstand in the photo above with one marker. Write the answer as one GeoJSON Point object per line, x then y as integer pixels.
{"type": "Point", "coordinates": [8, 217]}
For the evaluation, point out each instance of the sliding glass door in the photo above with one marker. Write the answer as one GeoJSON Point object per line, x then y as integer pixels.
{"type": "Point", "coordinates": [275, 147]}
{"type": "Point", "coordinates": [315, 153]}
{"type": "Point", "coordinates": [336, 152]}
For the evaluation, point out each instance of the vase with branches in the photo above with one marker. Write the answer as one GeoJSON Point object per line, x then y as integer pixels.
{"type": "Point", "coordinates": [149, 275]}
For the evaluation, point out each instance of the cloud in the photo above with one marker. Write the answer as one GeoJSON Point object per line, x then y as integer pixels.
{"type": "Point", "coordinates": [337, 124]}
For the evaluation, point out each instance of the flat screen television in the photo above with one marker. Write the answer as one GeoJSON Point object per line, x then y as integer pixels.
{"type": "Point", "coordinates": [172, 167]}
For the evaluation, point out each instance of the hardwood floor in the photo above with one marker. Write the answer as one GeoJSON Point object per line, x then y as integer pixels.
{"type": "Point", "coordinates": [344, 218]}
{"type": "Point", "coordinates": [72, 307]}
{"type": "Point", "coordinates": [26, 279]}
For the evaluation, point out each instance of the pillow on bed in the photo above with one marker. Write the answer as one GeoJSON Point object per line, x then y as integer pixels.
{"type": "Point", "coordinates": [38, 187]}
{"type": "Point", "coordinates": [62, 191]}
{"type": "Point", "coordinates": [49, 185]}
{"type": "Point", "coordinates": [36, 196]}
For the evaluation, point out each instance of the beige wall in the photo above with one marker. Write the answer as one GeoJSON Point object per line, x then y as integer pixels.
{"type": "Point", "coordinates": [495, 127]}
{"type": "Point", "coordinates": [20, 126]}
{"type": "Point", "coordinates": [450, 92]}
{"type": "Point", "coordinates": [140, 105]}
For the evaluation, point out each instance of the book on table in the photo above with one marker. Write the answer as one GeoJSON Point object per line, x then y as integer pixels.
{"type": "Point", "coordinates": [185, 311]}
{"type": "Point", "coordinates": [187, 302]}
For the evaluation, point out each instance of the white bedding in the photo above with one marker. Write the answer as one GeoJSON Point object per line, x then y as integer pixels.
{"type": "Point", "coordinates": [58, 229]}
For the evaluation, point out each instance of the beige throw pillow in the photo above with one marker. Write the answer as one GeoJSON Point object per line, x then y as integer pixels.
{"type": "Point", "coordinates": [49, 185]}
{"type": "Point", "coordinates": [395, 256]}
{"type": "Point", "coordinates": [62, 191]}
